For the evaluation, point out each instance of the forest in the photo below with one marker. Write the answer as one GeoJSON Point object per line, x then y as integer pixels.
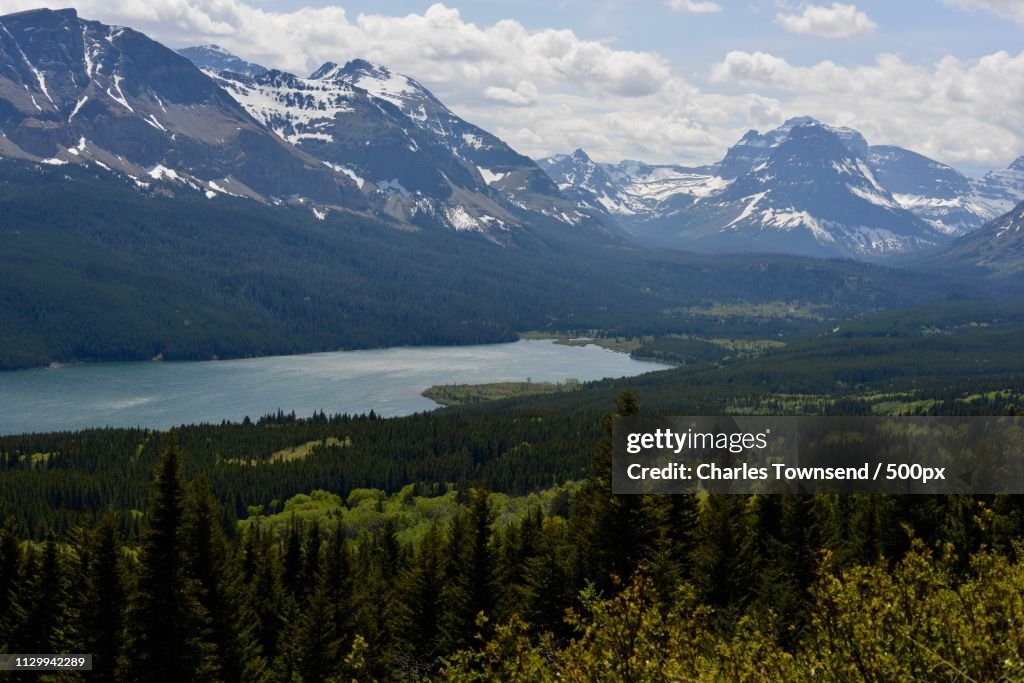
{"type": "Point", "coordinates": [185, 277]}
{"type": "Point", "coordinates": [567, 583]}
{"type": "Point", "coordinates": [482, 543]}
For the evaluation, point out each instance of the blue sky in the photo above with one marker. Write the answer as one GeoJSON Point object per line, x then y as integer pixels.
{"type": "Point", "coordinates": [659, 80]}
{"type": "Point", "coordinates": [918, 29]}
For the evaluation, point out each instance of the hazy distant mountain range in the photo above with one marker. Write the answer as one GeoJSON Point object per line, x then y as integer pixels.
{"type": "Point", "coordinates": [804, 187]}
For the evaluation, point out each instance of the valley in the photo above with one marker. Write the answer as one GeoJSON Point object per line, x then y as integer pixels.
{"type": "Point", "coordinates": [310, 357]}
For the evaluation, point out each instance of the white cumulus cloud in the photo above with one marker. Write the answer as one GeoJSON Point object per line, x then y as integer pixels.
{"type": "Point", "coordinates": [695, 6]}
{"type": "Point", "coordinates": [958, 111]}
{"type": "Point", "coordinates": [548, 90]}
{"type": "Point", "coordinates": [837, 21]}
{"type": "Point", "coordinates": [1011, 9]}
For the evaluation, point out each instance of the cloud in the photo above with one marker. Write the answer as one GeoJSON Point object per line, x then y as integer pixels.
{"type": "Point", "coordinates": [548, 90]}
{"type": "Point", "coordinates": [438, 45]}
{"type": "Point", "coordinates": [1010, 9]}
{"type": "Point", "coordinates": [525, 93]}
{"type": "Point", "coordinates": [543, 89]}
{"type": "Point", "coordinates": [837, 21]}
{"type": "Point", "coordinates": [958, 111]}
{"type": "Point", "coordinates": [694, 6]}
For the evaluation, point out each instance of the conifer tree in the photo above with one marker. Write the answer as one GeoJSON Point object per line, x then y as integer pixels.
{"type": "Point", "coordinates": [420, 588]}
{"type": "Point", "coordinates": [721, 560]}
{"type": "Point", "coordinates": [264, 593]}
{"type": "Point", "coordinates": [609, 527]}
{"type": "Point", "coordinates": [336, 569]}
{"type": "Point", "coordinates": [10, 582]}
{"type": "Point", "coordinates": [105, 598]}
{"type": "Point", "coordinates": [168, 629]}
{"type": "Point", "coordinates": [481, 564]}
{"type": "Point", "coordinates": [219, 582]}
{"type": "Point", "coordinates": [291, 575]}
{"type": "Point", "coordinates": [45, 603]}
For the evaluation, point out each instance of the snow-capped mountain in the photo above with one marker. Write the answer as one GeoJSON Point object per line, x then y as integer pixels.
{"type": "Point", "coordinates": [997, 246]}
{"type": "Point", "coordinates": [827, 185]}
{"type": "Point", "coordinates": [76, 91]}
{"type": "Point", "coordinates": [412, 157]}
{"type": "Point", "coordinates": [631, 191]}
{"type": "Point", "coordinates": [581, 179]}
{"type": "Point", "coordinates": [754, 148]}
{"type": "Point", "coordinates": [931, 190]}
{"type": "Point", "coordinates": [1000, 191]}
{"type": "Point", "coordinates": [216, 58]}
{"type": "Point", "coordinates": [812, 194]}
{"type": "Point", "coordinates": [516, 176]}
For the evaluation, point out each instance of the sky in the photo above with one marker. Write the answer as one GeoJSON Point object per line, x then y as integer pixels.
{"type": "Point", "coordinates": [662, 81]}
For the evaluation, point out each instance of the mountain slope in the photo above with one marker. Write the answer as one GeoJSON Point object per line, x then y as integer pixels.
{"type": "Point", "coordinates": [1000, 191]}
{"type": "Point", "coordinates": [112, 273]}
{"type": "Point", "coordinates": [413, 158]}
{"type": "Point", "coordinates": [935, 192]}
{"type": "Point", "coordinates": [888, 200]}
{"type": "Point", "coordinates": [996, 247]}
{"type": "Point", "coordinates": [803, 188]}
{"type": "Point", "coordinates": [517, 177]}
{"type": "Point", "coordinates": [812, 195]}
{"type": "Point", "coordinates": [631, 191]}
{"type": "Point", "coordinates": [79, 91]}
{"type": "Point", "coordinates": [216, 58]}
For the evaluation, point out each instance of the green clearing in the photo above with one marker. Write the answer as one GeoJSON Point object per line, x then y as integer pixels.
{"type": "Point", "coordinates": [465, 394]}
{"type": "Point", "coordinates": [300, 452]}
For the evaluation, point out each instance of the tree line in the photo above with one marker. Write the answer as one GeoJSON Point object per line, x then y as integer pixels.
{"type": "Point", "coordinates": [606, 587]}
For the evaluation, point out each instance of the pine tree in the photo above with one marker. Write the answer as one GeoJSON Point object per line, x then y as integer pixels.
{"type": "Point", "coordinates": [45, 603]}
{"type": "Point", "coordinates": [420, 588]}
{"type": "Point", "coordinates": [168, 628]}
{"type": "Point", "coordinates": [10, 584]}
{"type": "Point", "coordinates": [336, 569]}
{"type": "Point", "coordinates": [291, 575]}
{"type": "Point", "coordinates": [105, 597]}
{"type": "Point", "coordinates": [609, 527]}
{"type": "Point", "coordinates": [722, 563]}
{"type": "Point", "coordinates": [457, 618]}
{"type": "Point", "coordinates": [219, 582]}
{"type": "Point", "coordinates": [264, 593]}
{"type": "Point", "coordinates": [481, 563]}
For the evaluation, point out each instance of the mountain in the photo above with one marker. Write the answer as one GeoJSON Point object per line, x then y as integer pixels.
{"type": "Point", "coordinates": [631, 191]}
{"type": "Point", "coordinates": [414, 159]}
{"type": "Point", "coordinates": [581, 179]}
{"type": "Point", "coordinates": [938, 193]}
{"type": "Point", "coordinates": [804, 188]}
{"type": "Point", "coordinates": [857, 200]}
{"type": "Point", "coordinates": [998, 246]}
{"type": "Point", "coordinates": [811, 194]}
{"type": "Point", "coordinates": [754, 148]}
{"type": "Point", "coordinates": [216, 58]}
{"type": "Point", "coordinates": [76, 91]}
{"type": "Point", "coordinates": [1000, 191]}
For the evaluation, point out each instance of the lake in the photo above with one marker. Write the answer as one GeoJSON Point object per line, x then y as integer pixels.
{"type": "Point", "coordinates": [387, 381]}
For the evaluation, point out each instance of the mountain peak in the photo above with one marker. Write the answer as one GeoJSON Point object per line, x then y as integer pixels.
{"type": "Point", "coordinates": [580, 155]}
{"type": "Point", "coordinates": [357, 65]}
{"type": "Point", "coordinates": [800, 121]}
{"type": "Point", "coordinates": [326, 69]}
{"type": "Point", "coordinates": [216, 58]}
{"type": "Point", "coordinates": [1018, 164]}
{"type": "Point", "coordinates": [68, 13]}
{"type": "Point", "coordinates": [352, 70]}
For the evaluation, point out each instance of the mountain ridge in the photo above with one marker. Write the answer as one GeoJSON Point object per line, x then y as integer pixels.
{"type": "Point", "coordinates": [78, 91]}
{"type": "Point", "coordinates": [696, 207]}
